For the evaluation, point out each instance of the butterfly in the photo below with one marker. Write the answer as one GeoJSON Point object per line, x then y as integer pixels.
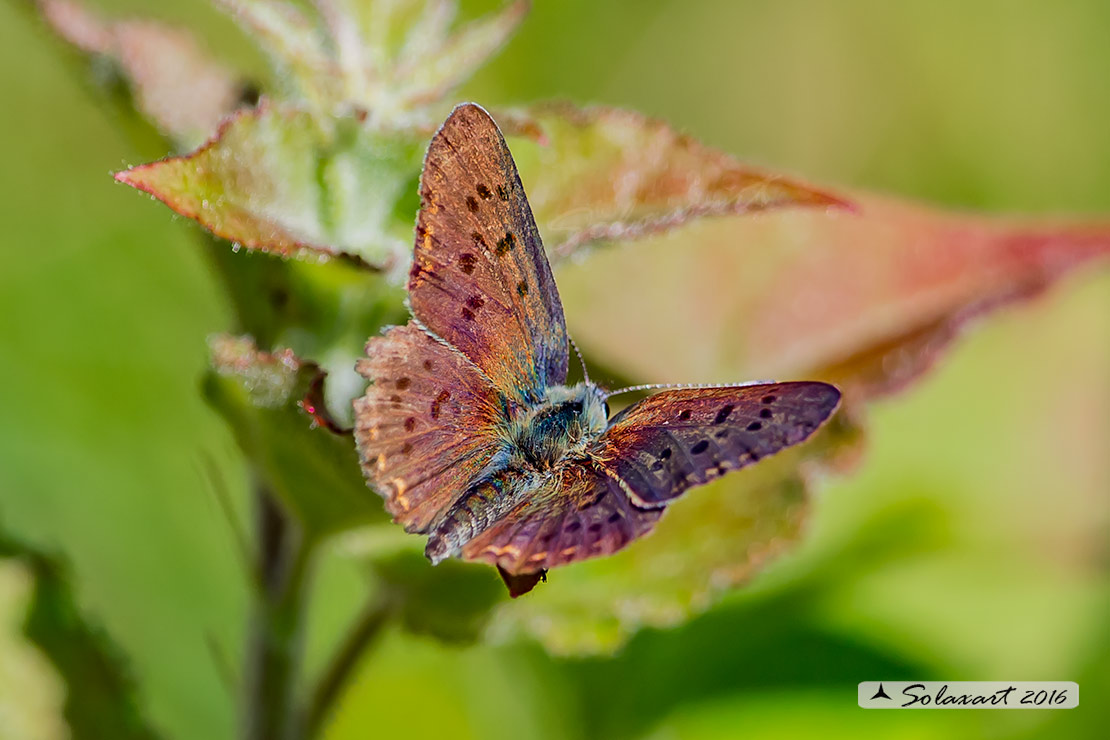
{"type": "Point", "coordinates": [468, 429]}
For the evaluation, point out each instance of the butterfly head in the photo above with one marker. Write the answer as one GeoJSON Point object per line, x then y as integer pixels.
{"type": "Point", "coordinates": [561, 426]}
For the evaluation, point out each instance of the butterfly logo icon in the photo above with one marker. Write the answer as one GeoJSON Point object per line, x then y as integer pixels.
{"type": "Point", "coordinates": [468, 429]}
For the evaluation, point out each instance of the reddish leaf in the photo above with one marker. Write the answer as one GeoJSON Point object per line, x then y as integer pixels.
{"type": "Point", "coordinates": [174, 82]}
{"type": "Point", "coordinates": [865, 300]}
{"type": "Point", "coordinates": [276, 179]}
{"type": "Point", "coordinates": [597, 174]}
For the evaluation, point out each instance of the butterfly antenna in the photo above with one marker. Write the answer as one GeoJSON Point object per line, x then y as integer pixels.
{"type": "Point", "coordinates": [585, 372]}
{"type": "Point", "coordinates": [678, 386]}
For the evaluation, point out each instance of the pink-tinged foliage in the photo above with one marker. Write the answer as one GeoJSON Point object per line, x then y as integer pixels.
{"type": "Point", "coordinates": [866, 299]}
{"type": "Point", "coordinates": [602, 174]}
{"type": "Point", "coordinates": [175, 83]}
{"type": "Point", "coordinates": [278, 180]}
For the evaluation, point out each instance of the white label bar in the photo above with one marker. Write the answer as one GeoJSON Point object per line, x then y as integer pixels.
{"type": "Point", "coordinates": [969, 695]}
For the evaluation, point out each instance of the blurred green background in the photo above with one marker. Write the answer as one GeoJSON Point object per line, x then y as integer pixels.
{"type": "Point", "coordinates": [970, 545]}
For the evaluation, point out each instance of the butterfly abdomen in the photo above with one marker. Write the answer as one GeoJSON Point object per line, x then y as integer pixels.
{"type": "Point", "coordinates": [484, 502]}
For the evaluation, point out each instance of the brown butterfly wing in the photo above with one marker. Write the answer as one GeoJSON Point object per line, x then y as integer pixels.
{"type": "Point", "coordinates": [424, 428]}
{"type": "Point", "coordinates": [674, 440]}
{"type": "Point", "coordinates": [480, 279]}
{"type": "Point", "coordinates": [581, 513]}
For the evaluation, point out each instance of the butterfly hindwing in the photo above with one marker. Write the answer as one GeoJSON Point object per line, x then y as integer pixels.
{"type": "Point", "coordinates": [677, 439]}
{"type": "Point", "coordinates": [480, 279]}
{"type": "Point", "coordinates": [580, 513]}
{"type": "Point", "coordinates": [425, 426]}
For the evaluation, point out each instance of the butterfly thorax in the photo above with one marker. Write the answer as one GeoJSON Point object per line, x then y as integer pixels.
{"type": "Point", "coordinates": [559, 428]}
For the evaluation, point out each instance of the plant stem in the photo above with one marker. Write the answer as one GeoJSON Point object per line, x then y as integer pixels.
{"type": "Point", "coordinates": [374, 616]}
{"type": "Point", "coordinates": [275, 638]}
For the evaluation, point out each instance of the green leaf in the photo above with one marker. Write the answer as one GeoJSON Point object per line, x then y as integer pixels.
{"type": "Point", "coordinates": [99, 694]}
{"type": "Point", "coordinates": [426, 71]}
{"type": "Point", "coordinates": [603, 174]}
{"type": "Point", "coordinates": [450, 601]}
{"type": "Point", "coordinates": [273, 403]}
{"type": "Point", "coordinates": [173, 82]}
{"type": "Point", "coordinates": [296, 47]}
{"type": "Point", "coordinates": [275, 179]}
{"type": "Point", "coordinates": [714, 539]}
{"type": "Point", "coordinates": [388, 59]}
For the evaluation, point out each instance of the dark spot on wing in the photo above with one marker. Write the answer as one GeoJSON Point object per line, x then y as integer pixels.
{"type": "Point", "coordinates": [723, 414]}
{"type": "Point", "coordinates": [467, 314]}
{"type": "Point", "coordinates": [574, 526]}
{"type": "Point", "coordinates": [472, 203]}
{"type": "Point", "coordinates": [721, 434]}
{"type": "Point", "coordinates": [769, 399]}
{"type": "Point", "coordinates": [403, 383]}
{"type": "Point", "coordinates": [478, 240]}
{"type": "Point", "coordinates": [614, 517]}
{"type": "Point", "coordinates": [666, 453]}
{"type": "Point", "coordinates": [467, 261]}
{"type": "Point", "coordinates": [406, 448]}
{"type": "Point", "coordinates": [700, 447]}
{"type": "Point", "coordinates": [685, 415]}
{"type": "Point", "coordinates": [410, 424]}
{"type": "Point", "coordinates": [595, 527]}
{"type": "Point", "coordinates": [483, 192]}
{"type": "Point", "coordinates": [395, 398]}
{"type": "Point", "coordinates": [522, 288]}
{"type": "Point", "coordinates": [475, 302]}
{"type": "Point", "coordinates": [506, 243]}
{"type": "Point", "coordinates": [438, 402]}
{"type": "Point", "coordinates": [428, 364]}
{"type": "Point", "coordinates": [765, 413]}
{"type": "Point", "coordinates": [755, 426]}
{"type": "Point", "coordinates": [502, 193]}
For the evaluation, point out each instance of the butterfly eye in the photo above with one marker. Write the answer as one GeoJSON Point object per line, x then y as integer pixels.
{"type": "Point", "coordinates": [605, 405]}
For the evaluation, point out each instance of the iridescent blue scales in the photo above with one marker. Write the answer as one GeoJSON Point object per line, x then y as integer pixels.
{"type": "Point", "coordinates": [468, 429]}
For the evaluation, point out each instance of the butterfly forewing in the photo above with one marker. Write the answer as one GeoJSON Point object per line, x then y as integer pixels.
{"type": "Point", "coordinates": [480, 279]}
{"type": "Point", "coordinates": [678, 439]}
{"type": "Point", "coordinates": [425, 426]}
{"type": "Point", "coordinates": [580, 513]}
